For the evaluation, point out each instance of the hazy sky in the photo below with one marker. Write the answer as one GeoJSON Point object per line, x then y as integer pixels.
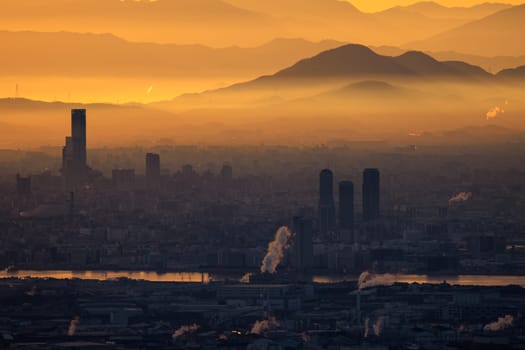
{"type": "Point", "coordinates": [376, 5]}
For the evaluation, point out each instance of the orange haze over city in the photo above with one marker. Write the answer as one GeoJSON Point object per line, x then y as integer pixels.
{"type": "Point", "coordinates": [278, 72]}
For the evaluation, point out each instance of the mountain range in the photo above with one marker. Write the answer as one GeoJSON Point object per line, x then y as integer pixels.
{"type": "Point", "coordinates": [353, 82]}
{"type": "Point", "coordinates": [49, 54]}
{"type": "Point", "coordinates": [496, 35]}
{"type": "Point", "coordinates": [239, 22]}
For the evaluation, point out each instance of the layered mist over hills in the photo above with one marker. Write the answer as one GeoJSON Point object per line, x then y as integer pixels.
{"type": "Point", "coordinates": [249, 71]}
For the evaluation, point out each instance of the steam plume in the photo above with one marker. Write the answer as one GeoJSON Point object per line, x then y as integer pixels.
{"type": "Point", "coordinates": [494, 112]}
{"type": "Point", "coordinates": [378, 326]}
{"type": "Point", "coordinates": [460, 197]}
{"type": "Point", "coordinates": [246, 278]}
{"type": "Point", "coordinates": [184, 330]}
{"type": "Point", "coordinates": [261, 327]}
{"type": "Point", "coordinates": [415, 134]}
{"type": "Point", "coordinates": [367, 280]}
{"type": "Point", "coordinates": [501, 324]}
{"type": "Point", "coordinates": [276, 250]}
{"type": "Point", "coordinates": [73, 326]}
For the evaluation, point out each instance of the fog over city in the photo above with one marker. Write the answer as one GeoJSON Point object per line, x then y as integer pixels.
{"type": "Point", "coordinates": [248, 174]}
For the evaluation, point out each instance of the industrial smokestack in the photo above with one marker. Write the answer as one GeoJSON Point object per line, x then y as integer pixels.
{"type": "Point", "coordinates": [358, 306]}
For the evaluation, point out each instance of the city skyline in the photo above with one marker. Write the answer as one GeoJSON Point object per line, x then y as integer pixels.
{"type": "Point", "coordinates": [262, 174]}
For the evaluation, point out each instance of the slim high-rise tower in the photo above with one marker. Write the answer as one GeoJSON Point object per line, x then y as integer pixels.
{"type": "Point", "coordinates": [152, 169]}
{"type": "Point", "coordinates": [74, 154]}
{"type": "Point", "coordinates": [371, 210]}
{"type": "Point", "coordinates": [326, 201]}
{"type": "Point", "coordinates": [304, 249]}
{"type": "Point", "coordinates": [346, 206]}
{"type": "Point", "coordinates": [78, 134]}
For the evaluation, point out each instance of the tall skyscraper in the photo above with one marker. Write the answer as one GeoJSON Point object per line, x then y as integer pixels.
{"type": "Point", "coordinates": [78, 134]}
{"type": "Point", "coordinates": [346, 207]}
{"type": "Point", "coordinates": [74, 154]}
{"type": "Point", "coordinates": [371, 197]}
{"type": "Point", "coordinates": [303, 246]}
{"type": "Point", "coordinates": [326, 201]}
{"type": "Point", "coordinates": [152, 169]}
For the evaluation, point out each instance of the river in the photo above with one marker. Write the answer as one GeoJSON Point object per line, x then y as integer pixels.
{"type": "Point", "coordinates": [204, 277]}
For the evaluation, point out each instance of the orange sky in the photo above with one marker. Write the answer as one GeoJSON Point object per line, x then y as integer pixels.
{"type": "Point", "coordinates": [378, 5]}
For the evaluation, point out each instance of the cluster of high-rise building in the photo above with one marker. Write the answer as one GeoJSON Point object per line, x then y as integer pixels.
{"type": "Point", "coordinates": [346, 210]}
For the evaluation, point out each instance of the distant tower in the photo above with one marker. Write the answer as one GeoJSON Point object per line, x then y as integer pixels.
{"type": "Point", "coordinates": [152, 169]}
{"type": "Point", "coordinates": [23, 185]}
{"type": "Point", "coordinates": [78, 133]}
{"type": "Point", "coordinates": [346, 208]}
{"type": "Point", "coordinates": [303, 246]}
{"type": "Point", "coordinates": [74, 154]}
{"type": "Point", "coordinates": [326, 201]}
{"type": "Point", "coordinates": [227, 172]}
{"type": "Point", "coordinates": [371, 210]}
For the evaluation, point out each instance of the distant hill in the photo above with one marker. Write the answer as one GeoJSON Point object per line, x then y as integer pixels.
{"type": "Point", "coordinates": [369, 89]}
{"type": "Point", "coordinates": [492, 64]}
{"type": "Point", "coordinates": [220, 23]}
{"type": "Point", "coordinates": [514, 73]}
{"type": "Point", "coordinates": [358, 60]}
{"type": "Point", "coordinates": [33, 54]}
{"type": "Point", "coordinates": [335, 69]}
{"type": "Point", "coordinates": [211, 22]}
{"type": "Point", "coordinates": [435, 10]}
{"type": "Point", "coordinates": [499, 34]}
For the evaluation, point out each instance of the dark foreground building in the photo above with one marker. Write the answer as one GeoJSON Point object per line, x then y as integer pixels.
{"type": "Point", "coordinates": [371, 196]}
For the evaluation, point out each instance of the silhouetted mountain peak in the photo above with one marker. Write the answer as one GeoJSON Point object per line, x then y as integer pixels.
{"type": "Point", "coordinates": [359, 60]}
{"type": "Point", "coordinates": [351, 59]}
{"type": "Point", "coordinates": [416, 56]}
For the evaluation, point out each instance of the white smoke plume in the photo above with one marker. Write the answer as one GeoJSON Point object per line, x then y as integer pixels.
{"type": "Point", "coordinates": [276, 250]}
{"type": "Point", "coordinates": [501, 324]}
{"type": "Point", "coordinates": [367, 327]}
{"type": "Point", "coordinates": [494, 112]}
{"type": "Point", "coordinates": [460, 197]}
{"type": "Point", "coordinates": [246, 278]}
{"type": "Point", "coordinates": [415, 134]}
{"type": "Point", "coordinates": [378, 326]}
{"type": "Point", "coordinates": [305, 337]}
{"type": "Point", "coordinates": [73, 326]}
{"type": "Point", "coordinates": [184, 330]}
{"type": "Point", "coordinates": [368, 279]}
{"type": "Point", "coordinates": [260, 327]}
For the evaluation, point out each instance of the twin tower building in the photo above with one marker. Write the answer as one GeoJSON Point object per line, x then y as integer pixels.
{"type": "Point", "coordinates": [327, 211]}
